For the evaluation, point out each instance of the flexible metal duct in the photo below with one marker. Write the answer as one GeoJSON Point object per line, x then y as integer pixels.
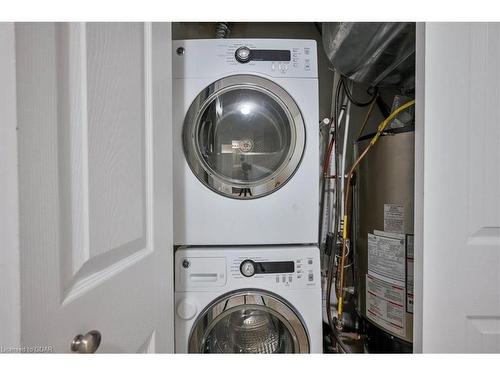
{"type": "Point", "coordinates": [376, 53]}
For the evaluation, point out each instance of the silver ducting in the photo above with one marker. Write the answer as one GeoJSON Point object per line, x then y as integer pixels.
{"type": "Point", "coordinates": [222, 30]}
{"type": "Point", "coordinates": [376, 53]}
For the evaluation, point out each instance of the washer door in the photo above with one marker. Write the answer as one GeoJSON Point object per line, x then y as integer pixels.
{"type": "Point", "coordinates": [249, 322]}
{"type": "Point", "coordinates": [243, 136]}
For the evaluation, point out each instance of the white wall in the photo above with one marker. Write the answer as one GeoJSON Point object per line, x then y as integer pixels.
{"type": "Point", "coordinates": [9, 224]}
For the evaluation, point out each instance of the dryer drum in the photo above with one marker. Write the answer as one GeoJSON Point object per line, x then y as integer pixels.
{"type": "Point", "coordinates": [243, 136]}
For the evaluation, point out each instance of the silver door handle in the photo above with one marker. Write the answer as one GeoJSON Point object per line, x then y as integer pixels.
{"type": "Point", "coordinates": [87, 343]}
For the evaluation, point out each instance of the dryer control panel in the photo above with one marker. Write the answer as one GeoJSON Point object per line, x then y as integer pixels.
{"type": "Point", "coordinates": [247, 267]}
{"type": "Point", "coordinates": [285, 58]}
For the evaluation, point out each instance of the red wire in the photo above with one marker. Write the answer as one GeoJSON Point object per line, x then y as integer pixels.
{"type": "Point", "coordinates": [326, 162]}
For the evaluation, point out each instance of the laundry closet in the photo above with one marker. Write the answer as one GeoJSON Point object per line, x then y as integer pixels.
{"type": "Point", "coordinates": [264, 122]}
{"type": "Point", "coordinates": [250, 187]}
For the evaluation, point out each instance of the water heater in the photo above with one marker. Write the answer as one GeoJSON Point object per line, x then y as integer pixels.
{"type": "Point", "coordinates": [383, 211]}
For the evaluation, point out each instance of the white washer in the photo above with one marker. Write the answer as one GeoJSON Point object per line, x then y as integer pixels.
{"type": "Point", "coordinates": [246, 154]}
{"type": "Point", "coordinates": [248, 300]}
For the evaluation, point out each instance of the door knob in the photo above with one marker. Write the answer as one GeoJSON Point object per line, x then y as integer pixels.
{"type": "Point", "coordinates": [87, 343]}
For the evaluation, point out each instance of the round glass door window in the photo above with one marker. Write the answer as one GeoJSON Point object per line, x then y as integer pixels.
{"type": "Point", "coordinates": [249, 322]}
{"type": "Point", "coordinates": [249, 330]}
{"type": "Point", "coordinates": [243, 137]}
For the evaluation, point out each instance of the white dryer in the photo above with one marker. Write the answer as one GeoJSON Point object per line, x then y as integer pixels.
{"type": "Point", "coordinates": [248, 300]}
{"type": "Point", "coordinates": [246, 154]}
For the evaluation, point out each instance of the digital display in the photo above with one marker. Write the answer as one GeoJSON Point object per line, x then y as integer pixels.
{"type": "Point", "coordinates": [274, 267]}
{"type": "Point", "coordinates": [270, 55]}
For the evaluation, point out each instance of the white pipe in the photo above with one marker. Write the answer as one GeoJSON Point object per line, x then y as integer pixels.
{"type": "Point", "coordinates": [342, 166]}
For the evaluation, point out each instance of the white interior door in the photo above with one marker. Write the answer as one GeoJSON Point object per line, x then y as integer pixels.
{"type": "Point", "coordinates": [461, 212]}
{"type": "Point", "coordinates": [95, 192]}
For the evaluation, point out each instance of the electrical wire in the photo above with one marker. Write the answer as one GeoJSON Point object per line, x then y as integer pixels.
{"type": "Point", "coordinates": [319, 28]}
{"type": "Point", "coordinates": [380, 130]}
{"type": "Point", "coordinates": [326, 161]}
{"type": "Point", "coordinates": [338, 340]}
{"type": "Point", "coordinates": [338, 108]}
{"type": "Point", "coordinates": [356, 102]}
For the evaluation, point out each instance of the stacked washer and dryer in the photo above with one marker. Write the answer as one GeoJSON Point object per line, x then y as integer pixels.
{"type": "Point", "coordinates": [246, 171]}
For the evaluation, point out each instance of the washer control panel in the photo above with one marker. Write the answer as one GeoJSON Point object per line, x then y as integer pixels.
{"type": "Point", "coordinates": [285, 272]}
{"type": "Point", "coordinates": [247, 267]}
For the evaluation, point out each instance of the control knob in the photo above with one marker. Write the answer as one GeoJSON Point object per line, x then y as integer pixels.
{"type": "Point", "coordinates": [247, 268]}
{"type": "Point", "coordinates": [242, 54]}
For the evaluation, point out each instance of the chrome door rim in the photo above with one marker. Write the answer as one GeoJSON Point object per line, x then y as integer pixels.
{"type": "Point", "coordinates": [217, 182]}
{"type": "Point", "coordinates": [258, 299]}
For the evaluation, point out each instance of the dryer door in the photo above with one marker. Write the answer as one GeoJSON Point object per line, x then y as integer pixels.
{"type": "Point", "coordinates": [244, 136]}
{"type": "Point", "coordinates": [249, 322]}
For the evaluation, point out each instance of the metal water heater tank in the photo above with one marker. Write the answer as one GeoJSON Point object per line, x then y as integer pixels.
{"type": "Point", "coordinates": [383, 227]}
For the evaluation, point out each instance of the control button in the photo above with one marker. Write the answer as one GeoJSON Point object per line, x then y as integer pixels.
{"type": "Point", "coordinates": [283, 278]}
{"type": "Point", "coordinates": [299, 276]}
{"type": "Point", "coordinates": [242, 54]}
{"type": "Point", "coordinates": [277, 278]}
{"type": "Point", "coordinates": [290, 278]}
{"type": "Point", "coordinates": [186, 263]}
{"type": "Point", "coordinates": [311, 277]}
{"type": "Point", "coordinates": [247, 268]}
{"type": "Point", "coordinates": [186, 310]}
{"type": "Point", "coordinates": [309, 261]}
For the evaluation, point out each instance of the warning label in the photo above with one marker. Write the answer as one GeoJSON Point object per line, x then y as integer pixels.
{"type": "Point", "coordinates": [394, 218]}
{"type": "Point", "coordinates": [385, 304]}
{"type": "Point", "coordinates": [386, 256]}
